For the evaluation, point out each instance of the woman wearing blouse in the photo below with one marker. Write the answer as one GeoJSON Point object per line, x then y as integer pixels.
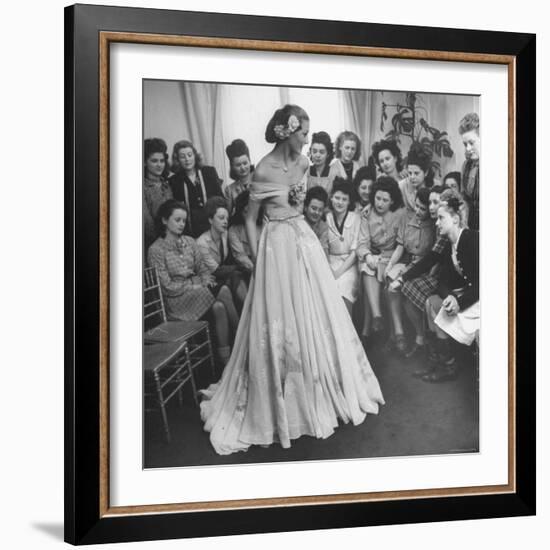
{"type": "Point", "coordinates": [387, 156]}
{"type": "Point", "coordinates": [362, 182]}
{"type": "Point", "coordinates": [155, 187]}
{"type": "Point", "coordinates": [216, 252]}
{"type": "Point", "coordinates": [321, 154]}
{"type": "Point", "coordinates": [420, 281]}
{"type": "Point", "coordinates": [415, 239]}
{"type": "Point", "coordinates": [187, 285]}
{"type": "Point", "coordinates": [193, 183]}
{"type": "Point", "coordinates": [419, 175]}
{"type": "Point", "coordinates": [378, 240]}
{"type": "Point", "coordinates": [240, 172]}
{"type": "Point", "coordinates": [348, 152]}
{"type": "Point", "coordinates": [343, 231]}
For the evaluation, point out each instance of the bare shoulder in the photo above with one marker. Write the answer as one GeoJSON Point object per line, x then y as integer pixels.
{"type": "Point", "coordinates": [262, 171]}
{"type": "Point", "coordinates": [303, 162]}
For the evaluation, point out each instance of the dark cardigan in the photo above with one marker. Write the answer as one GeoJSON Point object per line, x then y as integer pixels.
{"type": "Point", "coordinates": [198, 222]}
{"type": "Point", "coordinates": [449, 279]}
{"type": "Point", "coordinates": [467, 255]}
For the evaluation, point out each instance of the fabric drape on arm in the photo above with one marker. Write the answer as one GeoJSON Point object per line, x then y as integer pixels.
{"type": "Point", "coordinates": [358, 106]}
{"type": "Point", "coordinates": [203, 122]}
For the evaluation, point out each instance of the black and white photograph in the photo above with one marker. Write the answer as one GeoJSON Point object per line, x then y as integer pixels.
{"type": "Point", "coordinates": [310, 273]}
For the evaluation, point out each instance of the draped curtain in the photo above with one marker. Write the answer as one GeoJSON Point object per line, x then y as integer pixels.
{"type": "Point", "coordinates": [212, 115]}
{"type": "Point", "coordinates": [358, 117]}
{"type": "Point", "coordinates": [203, 121]}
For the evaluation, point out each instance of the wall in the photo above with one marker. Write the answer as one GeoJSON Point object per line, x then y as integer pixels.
{"type": "Point", "coordinates": [31, 408]}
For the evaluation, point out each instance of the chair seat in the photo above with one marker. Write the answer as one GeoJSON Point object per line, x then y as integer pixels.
{"type": "Point", "coordinates": [173, 331]}
{"type": "Point", "coordinates": [158, 355]}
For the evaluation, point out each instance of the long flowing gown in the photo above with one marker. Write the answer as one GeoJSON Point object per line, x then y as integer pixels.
{"type": "Point", "coordinates": [297, 364]}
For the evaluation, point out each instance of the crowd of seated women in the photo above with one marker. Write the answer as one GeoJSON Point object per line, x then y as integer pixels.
{"type": "Point", "coordinates": [402, 244]}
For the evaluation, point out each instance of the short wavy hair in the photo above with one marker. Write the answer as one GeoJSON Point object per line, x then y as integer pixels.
{"type": "Point", "coordinates": [212, 205]}
{"type": "Point", "coordinates": [152, 146]}
{"type": "Point", "coordinates": [468, 123]}
{"type": "Point", "coordinates": [418, 156]}
{"type": "Point", "coordinates": [392, 147]}
{"type": "Point", "coordinates": [350, 136]}
{"type": "Point", "coordinates": [452, 202]}
{"type": "Point", "coordinates": [364, 173]}
{"type": "Point", "coordinates": [457, 176]}
{"type": "Point", "coordinates": [166, 209]}
{"type": "Point", "coordinates": [324, 139]}
{"type": "Point", "coordinates": [423, 195]}
{"type": "Point", "coordinates": [390, 186]}
{"type": "Point", "coordinates": [316, 192]}
{"type": "Point", "coordinates": [344, 186]}
{"type": "Point", "coordinates": [178, 146]}
{"type": "Point", "coordinates": [281, 116]}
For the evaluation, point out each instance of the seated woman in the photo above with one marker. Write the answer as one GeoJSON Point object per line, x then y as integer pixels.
{"type": "Point", "coordinates": [377, 241]}
{"type": "Point", "coordinates": [419, 175]}
{"type": "Point", "coordinates": [216, 253]}
{"type": "Point", "coordinates": [240, 172]}
{"type": "Point", "coordinates": [237, 236]}
{"type": "Point", "coordinates": [343, 231]}
{"type": "Point", "coordinates": [193, 183]}
{"type": "Point", "coordinates": [387, 156]}
{"type": "Point", "coordinates": [315, 204]}
{"type": "Point", "coordinates": [187, 286]}
{"type": "Point", "coordinates": [420, 281]}
{"type": "Point", "coordinates": [415, 239]}
{"type": "Point", "coordinates": [155, 187]}
{"type": "Point", "coordinates": [362, 182]}
{"type": "Point", "coordinates": [321, 153]}
{"type": "Point", "coordinates": [348, 152]}
{"type": "Point", "coordinates": [453, 180]}
{"type": "Point", "coordinates": [454, 311]}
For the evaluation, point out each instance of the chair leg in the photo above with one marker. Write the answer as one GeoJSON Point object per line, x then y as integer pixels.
{"type": "Point", "coordinates": [210, 351]}
{"type": "Point", "coordinates": [191, 375]}
{"type": "Point", "coordinates": [162, 408]}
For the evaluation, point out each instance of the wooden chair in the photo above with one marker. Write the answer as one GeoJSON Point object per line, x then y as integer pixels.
{"type": "Point", "coordinates": [172, 349]}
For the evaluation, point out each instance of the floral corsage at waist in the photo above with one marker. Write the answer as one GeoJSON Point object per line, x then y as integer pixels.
{"type": "Point", "coordinates": [297, 194]}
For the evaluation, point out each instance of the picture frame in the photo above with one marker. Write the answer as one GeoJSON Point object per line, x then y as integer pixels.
{"type": "Point", "coordinates": [89, 517]}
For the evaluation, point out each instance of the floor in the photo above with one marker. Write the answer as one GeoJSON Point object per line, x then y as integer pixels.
{"type": "Point", "coordinates": [418, 419]}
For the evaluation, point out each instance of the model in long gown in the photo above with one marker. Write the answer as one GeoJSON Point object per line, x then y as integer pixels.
{"type": "Point", "coordinates": [297, 364]}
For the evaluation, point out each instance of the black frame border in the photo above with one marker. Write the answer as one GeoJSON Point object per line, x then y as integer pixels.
{"type": "Point", "coordinates": [83, 523]}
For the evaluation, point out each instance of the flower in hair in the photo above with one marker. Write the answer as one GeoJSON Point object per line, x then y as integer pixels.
{"type": "Point", "coordinates": [282, 131]}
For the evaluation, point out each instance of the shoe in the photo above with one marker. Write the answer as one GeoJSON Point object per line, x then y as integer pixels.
{"type": "Point", "coordinates": [424, 371]}
{"type": "Point", "coordinates": [416, 351]}
{"type": "Point", "coordinates": [377, 324]}
{"type": "Point", "coordinates": [442, 374]}
{"type": "Point", "coordinates": [401, 344]}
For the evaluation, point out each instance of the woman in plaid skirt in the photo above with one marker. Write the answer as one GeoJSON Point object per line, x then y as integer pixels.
{"type": "Point", "coordinates": [186, 283]}
{"type": "Point", "coordinates": [420, 281]}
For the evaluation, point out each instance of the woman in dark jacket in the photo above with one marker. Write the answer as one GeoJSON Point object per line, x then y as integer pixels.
{"type": "Point", "coordinates": [193, 184]}
{"type": "Point", "coordinates": [454, 311]}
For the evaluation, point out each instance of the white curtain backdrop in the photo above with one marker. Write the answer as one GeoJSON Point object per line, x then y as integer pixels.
{"type": "Point", "coordinates": [213, 115]}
